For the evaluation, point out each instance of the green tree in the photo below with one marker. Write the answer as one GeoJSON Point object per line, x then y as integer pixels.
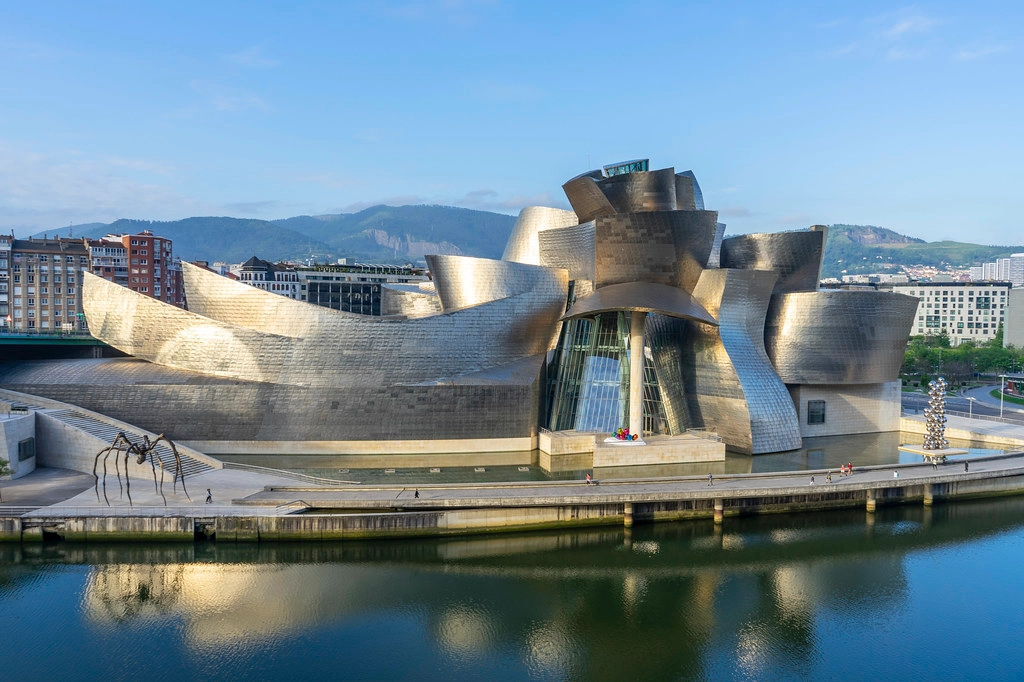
{"type": "Point", "coordinates": [5, 470]}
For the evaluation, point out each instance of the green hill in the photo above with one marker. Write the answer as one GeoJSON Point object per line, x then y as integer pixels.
{"type": "Point", "coordinates": [858, 249]}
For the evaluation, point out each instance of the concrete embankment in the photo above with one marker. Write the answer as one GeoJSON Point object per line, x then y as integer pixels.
{"type": "Point", "coordinates": [361, 512]}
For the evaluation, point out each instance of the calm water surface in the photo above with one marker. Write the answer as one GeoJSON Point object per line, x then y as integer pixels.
{"type": "Point", "coordinates": [910, 594]}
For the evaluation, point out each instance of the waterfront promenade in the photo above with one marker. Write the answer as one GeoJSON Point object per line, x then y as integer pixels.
{"type": "Point", "coordinates": [254, 504]}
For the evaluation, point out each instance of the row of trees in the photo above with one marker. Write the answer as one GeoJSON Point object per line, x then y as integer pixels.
{"type": "Point", "coordinates": [932, 356]}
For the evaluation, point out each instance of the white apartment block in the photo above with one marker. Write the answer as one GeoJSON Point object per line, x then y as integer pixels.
{"type": "Point", "coordinates": [965, 310]}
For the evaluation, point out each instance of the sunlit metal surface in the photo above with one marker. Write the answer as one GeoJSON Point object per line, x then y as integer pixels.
{"type": "Point", "coordinates": [522, 245]}
{"type": "Point", "coordinates": [571, 248]}
{"type": "Point", "coordinates": [665, 247]}
{"type": "Point", "coordinates": [410, 300]}
{"type": "Point", "coordinates": [730, 383]}
{"type": "Point", "coordinates": [586, 198]}
{"type": "Point", "coordinates": [635, 192]}
{"type": "Point", "coordinates": [641, 297]}
{"type": "Point", "coordinates": [794, 256]}
{"type": "Point", "coordinates": [838, 337]}
{"type": "Point", "coordinates": [462, 281]}
{"type": "Point", "coordinates": [697, 196]}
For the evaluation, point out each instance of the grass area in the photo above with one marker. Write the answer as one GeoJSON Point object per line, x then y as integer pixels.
{"type": "Point", "coordinates": [1008, 398]}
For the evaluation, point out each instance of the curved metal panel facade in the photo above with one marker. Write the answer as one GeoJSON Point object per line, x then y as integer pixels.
{"type": "Point", "coordinates": [463, 281]}
{"type": "Point", "coordinates": [587, 199]}
{"type": "Point", "coordinates": [641, 191]}
{"type": "Point", "coordinates": [640, 297]}
{"type": "Point", "coordinates": [522, 245]}
{"type": "Point", "coordinates": [794, 256]}
{"type": "Point", "coordinates": [339, 350]}
{"type": "Point", "coordinates": [664, 247]}
{"type": "Point", "coordinates": [698, 196]}
{"type": "Point", "coordinates": [731, 385]}
{"type": "Point", "coordinates": [571, 248]}
{"type": "Point", "coordinates": [838, 337]}
{"type": "Point", "coordinates": [410, 300]}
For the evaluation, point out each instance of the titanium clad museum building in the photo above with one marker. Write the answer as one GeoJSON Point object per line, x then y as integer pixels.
{"type": "Point", "coordinates": [631, 310]}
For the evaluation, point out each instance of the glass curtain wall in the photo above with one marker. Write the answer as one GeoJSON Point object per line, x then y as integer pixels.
{"type": "Point", "coordinates": [589, 378]}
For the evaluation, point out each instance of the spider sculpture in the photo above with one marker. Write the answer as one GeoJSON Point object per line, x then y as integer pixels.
{"type": "Point", "coordinates": [142, 451]}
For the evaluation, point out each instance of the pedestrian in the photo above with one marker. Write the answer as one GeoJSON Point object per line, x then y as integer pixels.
{"type": "Point", "coordinates": [209, 496]}
{"type": "Point", "coordinates": [828, 479]}
{"type": "Point", "coordinates": [966, 466]}
{"type": "Point", "coordinates": [812, 481]}
{"type": "Point", "coordinates": [895, 474]}
{"type": "Point", "coordinates": [417, 493]}
{"type": "Point", "coordinates": [588, 479]}
{"type": "Point", "coordinates": [849, 468]}
{"type": "Point", "coordinates": [711, 479]}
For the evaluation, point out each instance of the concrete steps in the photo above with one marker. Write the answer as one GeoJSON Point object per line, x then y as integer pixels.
{"type": "Point", "coordinates": [108, 432]}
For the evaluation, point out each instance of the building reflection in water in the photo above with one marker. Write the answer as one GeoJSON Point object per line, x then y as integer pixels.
{"type": "Point", "coordinates": [677, 599]}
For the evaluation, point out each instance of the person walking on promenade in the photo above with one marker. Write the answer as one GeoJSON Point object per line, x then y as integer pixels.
{"type": "Point", "coordinates": [417, 494]}
{"type": "Point", "coordinates": [209, 496]}
{"type": "Point", "coordinates": [711, 479]}
{"type": "Point", "coordinates": [849, 468]}
{"type": "Point", "coordinates": [828, 479]}
{"type": "Point", "coordinates": [812, 481]}
{"type": "Point", "coordinates": [895, 474]}
{"type": "Point", "coordinates": [966, 466]}
{"type": "Point", "coordinates": [588, 479]}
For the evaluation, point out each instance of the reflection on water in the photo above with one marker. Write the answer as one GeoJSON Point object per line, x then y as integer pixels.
{"type": "Point", "coordinates": [826, 452]}
{"type": "Point", "coordinates": [774, 597]}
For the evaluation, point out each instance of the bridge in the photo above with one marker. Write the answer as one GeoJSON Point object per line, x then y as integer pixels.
{"type": "Point", "coordinates": [32, 344]}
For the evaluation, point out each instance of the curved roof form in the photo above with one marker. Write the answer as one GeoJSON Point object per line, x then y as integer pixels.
{"type": "Point", "coordinates": [572, 248]}
{"type": "Point", "coordinates": [641, 191]}
{"type": "Point", "coordinates": [666, 247]}
{"type": "Point", "coordinates": [324, 347]}
{"type": "Point", "coordinates": [586, 198]}
{"type": "Point", "coordinates": [838, 337]}
{"type": "Point", "coordinates": [688, 198]}
{"type": "Point", "coordinates": [522, 245]}
{"type": "Point", "coordinates": [794, 256]}
{"type": "Point", "coordinates": [645, 297]}
{"type": "Point", "coordinates": [464, 281]}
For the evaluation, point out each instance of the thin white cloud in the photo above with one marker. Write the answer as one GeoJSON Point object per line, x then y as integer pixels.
{"type": "Point", "coordinates": [896, 54]}
{"type": "Point", "coordinates": [40, 192]}
{"type": "Point", "coordinates": [910, 24]}
{"type": "Point", "coordinates": [978, 53]}
{"type": "Point", "coordinates": [253, 57]}
{"type": "Point", "coordinates": [735, 212]}
{"type": "Point", "coordinates": [224, 98]}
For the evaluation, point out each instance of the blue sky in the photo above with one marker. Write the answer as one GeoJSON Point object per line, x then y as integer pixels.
{"type": "Point", "coordinates": [790, 114]}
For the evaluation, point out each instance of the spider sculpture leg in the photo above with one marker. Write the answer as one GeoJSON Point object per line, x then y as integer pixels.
{"type": "Point", "coordinates": [95, 464]}
{"type": "Point", "coordinates": [179, 470]}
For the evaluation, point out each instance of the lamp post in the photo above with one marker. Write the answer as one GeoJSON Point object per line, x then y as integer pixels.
{"type": "Point", "coordinates": [1002, 389]}
{"type": "Point", "coordinates": [970, 408]}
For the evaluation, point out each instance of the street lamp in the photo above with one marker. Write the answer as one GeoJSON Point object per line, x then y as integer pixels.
{"type": "Point", "coordinates": [970, 407]}
{"type": "Point", "coordinates": [1002, 389]}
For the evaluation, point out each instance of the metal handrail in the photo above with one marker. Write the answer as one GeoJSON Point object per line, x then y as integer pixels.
{"type": "Point", "coordinates": [316, 480]}
{"type": "Point", "coordinates": [966, 415]}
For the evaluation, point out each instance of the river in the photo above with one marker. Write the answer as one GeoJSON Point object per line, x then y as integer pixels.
{"type": "Point", "coordinates": [908, 592]}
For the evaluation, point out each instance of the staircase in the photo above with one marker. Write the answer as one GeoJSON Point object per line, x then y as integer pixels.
{"type": "Point", "coordinates": [190, 466]}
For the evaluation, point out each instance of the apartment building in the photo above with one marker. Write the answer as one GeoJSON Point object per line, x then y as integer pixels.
{"type": "Point", "coordinates": [965, 310]}
{"type": "Point", "coordinates": [44, 282]}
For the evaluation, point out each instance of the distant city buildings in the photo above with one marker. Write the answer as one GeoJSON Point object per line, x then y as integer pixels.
{"type": "Point", "coordinates": [40, 279]}
{"type": "Point", "coordinates": [349, 288]}
{"type": "Point", "coordinates": [1003, 269]}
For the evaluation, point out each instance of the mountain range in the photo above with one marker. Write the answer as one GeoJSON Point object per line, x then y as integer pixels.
{"type": "Point", "coordinates": [404, 234]}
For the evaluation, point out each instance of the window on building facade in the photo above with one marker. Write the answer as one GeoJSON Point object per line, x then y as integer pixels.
{"type": "Point", "coordinates": [815, 411]}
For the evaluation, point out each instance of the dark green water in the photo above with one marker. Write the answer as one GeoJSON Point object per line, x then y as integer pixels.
{"type": "Point", "coordinates": [910, 594]}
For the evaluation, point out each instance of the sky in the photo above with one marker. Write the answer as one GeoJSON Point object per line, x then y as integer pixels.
{"type": "Point", "coordinates": [789, 113]}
